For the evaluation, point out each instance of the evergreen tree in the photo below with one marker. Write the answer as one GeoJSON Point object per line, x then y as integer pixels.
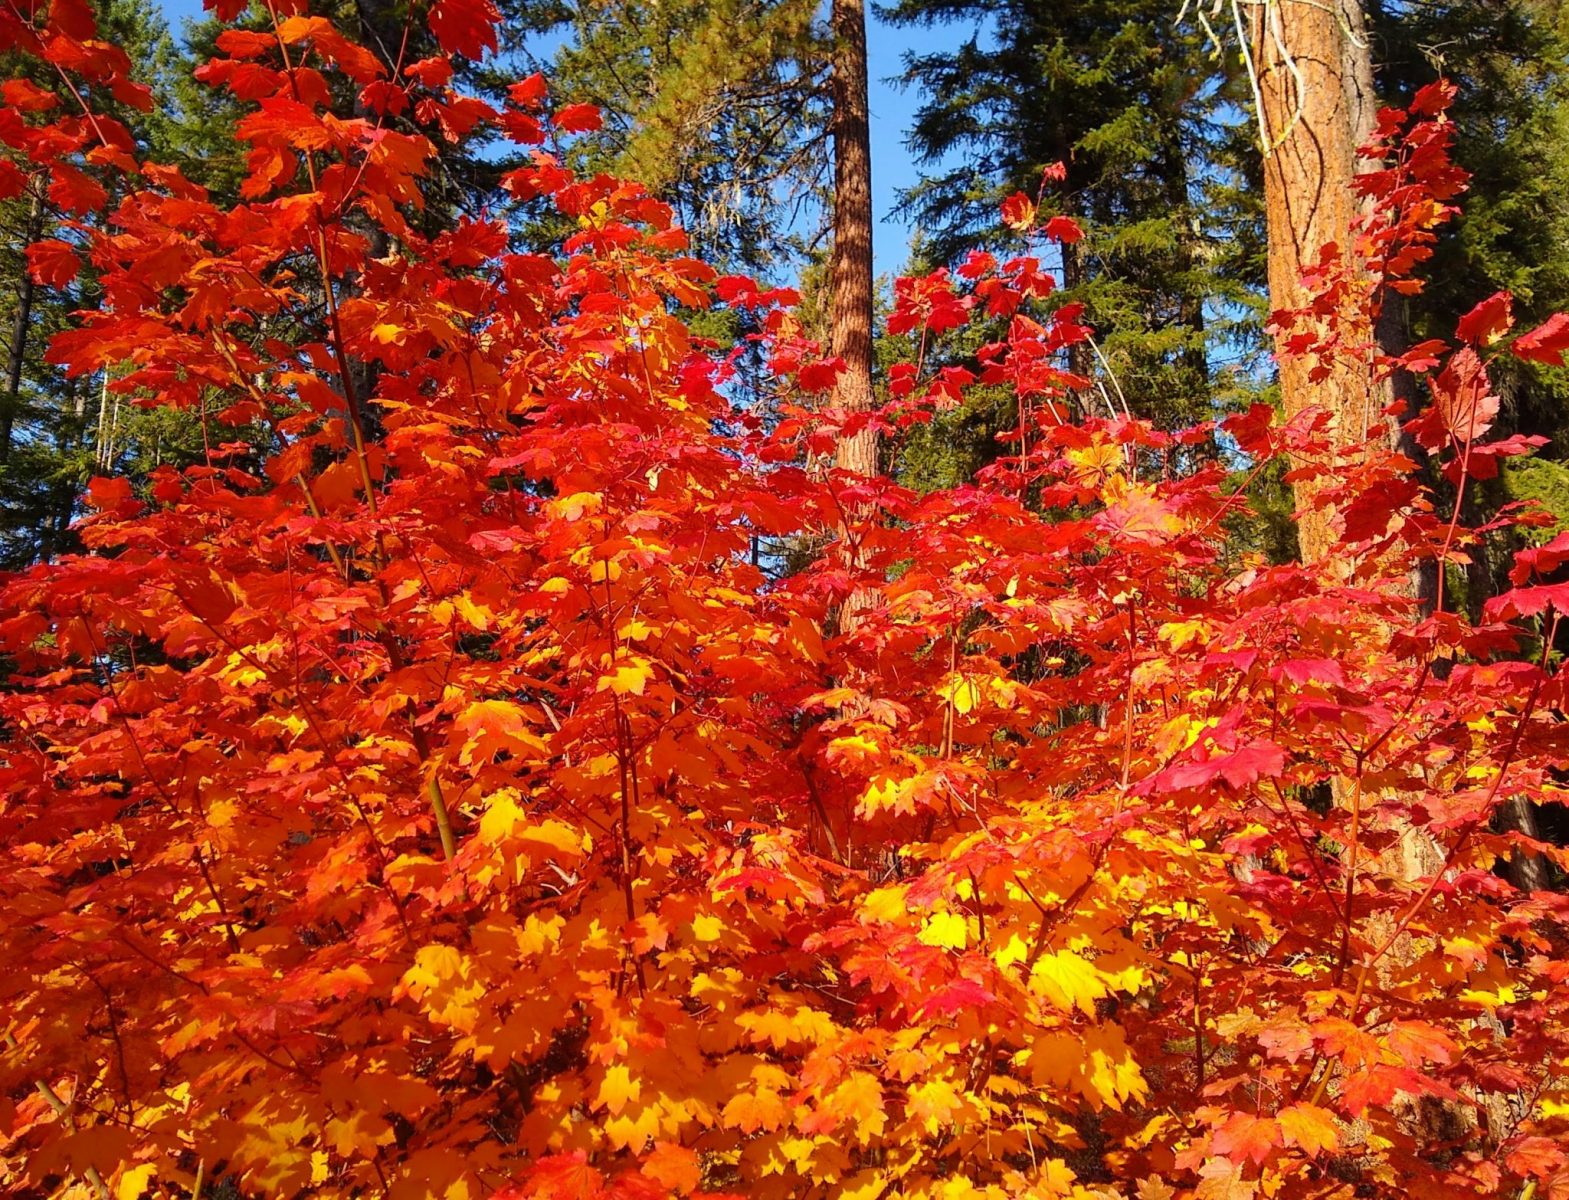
{"type": "Point", "coordinates": [720, 107]}
{"type": "Point", "coordinates": [56, 432]}
{"type": "Point", "coordinates": [1131, 105]}
{"type": "Point", "coordinates": [1315, 107]}
{"type": "Point", "coordinates": [1510, 61]}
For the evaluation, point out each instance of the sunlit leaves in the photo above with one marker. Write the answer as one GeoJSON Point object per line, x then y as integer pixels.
{"type": "Point", "coordinates": [469, 802]}
{"type": "Point", "coordinates": [466, 27]}
{"type": "Point", "coordinates": [1465, 399]}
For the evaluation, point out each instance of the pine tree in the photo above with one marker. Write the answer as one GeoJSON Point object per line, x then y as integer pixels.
{"type": "Point", "coordinates": [720, 108]}
{"type": "Point", "coordinates": [57, 431]}
{"type": "Point", "coordinates": [1316, 107]}
{"type": "Point", "coordinates": [851, 266]}
{"type": "Point", "coordinates": [1508, 59]}
{"type": "Point", "coordinates": [1130, 104]}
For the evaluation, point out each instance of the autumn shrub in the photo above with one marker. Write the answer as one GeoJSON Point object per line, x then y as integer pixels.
{"type": "Point", "coordinates": [448, 795]}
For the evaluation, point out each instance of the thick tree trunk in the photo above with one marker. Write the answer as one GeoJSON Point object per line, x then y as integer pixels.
{"type": "Point", "coordinates": [1315, 76]}
{"type": "Point", "coordinates": [851, 305]}
{"type": "Point", "coordinates": [1315, 80]}
{"type": "Point", "coordinates": [850, 313]}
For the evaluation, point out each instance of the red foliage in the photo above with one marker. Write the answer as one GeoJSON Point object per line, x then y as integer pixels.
{"type": "Point", "coordinates": [447, 803]}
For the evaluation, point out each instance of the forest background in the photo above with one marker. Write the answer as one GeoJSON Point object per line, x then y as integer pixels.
{"type": "Point", "coordinates": [723, 109]}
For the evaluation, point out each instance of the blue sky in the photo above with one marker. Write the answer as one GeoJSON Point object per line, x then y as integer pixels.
{"type": "Point", "coordinates": [891, 110]}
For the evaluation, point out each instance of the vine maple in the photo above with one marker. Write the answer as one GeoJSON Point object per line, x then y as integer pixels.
{"type": "Point", "coordinates": [440, 799]}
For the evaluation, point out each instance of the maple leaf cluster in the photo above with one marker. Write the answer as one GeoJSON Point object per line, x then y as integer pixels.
{"type": "Point", "coordinates": [440, 797]}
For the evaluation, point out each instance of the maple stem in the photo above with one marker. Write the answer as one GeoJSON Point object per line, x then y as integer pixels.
{"type": "Point", "coordinates": [158, 784]}
{"type": "Point", "coordinates": [346, 378]}
{"type": "Point", "coordinates": [1351, 874]}
{"type": "Point", "coordinates": [626, 768]}
{"type": "Point", "coordinates": [228, 921]}
{"type": "Point", "coordinates": [330, 298]}
{"type": "Point", "coordinates": [628, 771]}
{"type": "Point", "coordinates": [62, 1110]}
{"type": "Point", "coordinates": [624, 833]}
{"type": "Point", "coordinates": [1198, 1033]}
{"type": "Point", "coordinates": [196, 1186]}
{"type": "Point", "coordinates": [1309, 851]}
{"type": "Point", "coordinates": [114, 1034]}
{"type": "Point", "coordinates": [315, 511]}
{"type": "Point", "coordinates": [76, 94]}
{"type": "Point", "coordinates": [438, 804]}
{"type": "Point", "coordinates": [310, 497]}
{"type": "Point", "coordinates": [1454, 525]}
{"type": "Point", "coordinates": [822, 815]}
{"type": "Point", "coordinates": [948, 709]}
{"type": "Point", "coordinates": [1484, 811]}
{"type": "Point", "coordinates": [1127, 720]}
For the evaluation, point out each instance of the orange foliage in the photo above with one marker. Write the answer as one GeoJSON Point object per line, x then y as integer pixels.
{"type": "Point", "coordinates": [440, 799]}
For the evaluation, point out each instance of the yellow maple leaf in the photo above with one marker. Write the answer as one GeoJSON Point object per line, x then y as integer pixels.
{"type": "Point", "coordinates": [360, 1133]}
{"type": "Point", "coordinates": [1178, 634]}
{"type": "Point", "coordinates": [134, 1181]}
{"type": "Point", "coordinates": [1068, 981]}
{"type": "Point", "coordinates": [933, 1103]}
{"type": "Point", "coordinates": [633, 1130]}
{"type": "Point", "coordinates": [489, 728]}
{"type": "Point", "coordinates": [860, 1099]}
{"type": "Point", "coordinates": [1093, 463]}
{"type": "Point", "coordinates": [617, 1089]}
{"type": "Point", "coordinates": [884, 904]}
{"type": "Point", "coordinates": [964, 694]}
{"type": "Point", "coordinates": [476, 615]}
{"type": "Point", "coordinates": [945, 929]}
{"type": "Point", "coordinates": [863, 1185]}
{"type": "Point", "coordinates": [1488, 998]}
{"type": "Point", "coordinates": [557, 837]}
{"type": "Point", "coordinates": [1221, 1179]}
{"type": "Point", "coordinates": [627, 676]}
{"type": "Point", "coordinates": [577, 505]}
{"type": "Point", "coordinates": [502, 815]}
{"type": "Point", "coordinates": [434, 965]}
{"type": "Point", "coordinates": [1309, 1127]}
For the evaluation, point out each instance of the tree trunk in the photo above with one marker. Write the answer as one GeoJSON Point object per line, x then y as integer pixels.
{"type": "Point", "coordinates": [1193, 358]}
{"type": "Point", "coordinates": [850, 313]}
{"type": "Point", "coordinates": [851, 305]}
{"type": "Point", "coordinates": [1075, 274]}
{"type": "Point", "coordinates": [1315, 77]}
{"type": "Point", "coordinates": [12, 402]}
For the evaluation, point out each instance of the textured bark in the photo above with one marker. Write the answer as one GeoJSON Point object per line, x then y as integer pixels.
{"type": "Point", "coordinates": [1525, 870]}
{"type": "Point", "coordinates": [851, 305]}
{"type": "Point", "coordinates": [1316, 90]}
{"type": "Point", "coordinates": [850, 311]}
{"type": "Point", "coordinates": [1315, 78]}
